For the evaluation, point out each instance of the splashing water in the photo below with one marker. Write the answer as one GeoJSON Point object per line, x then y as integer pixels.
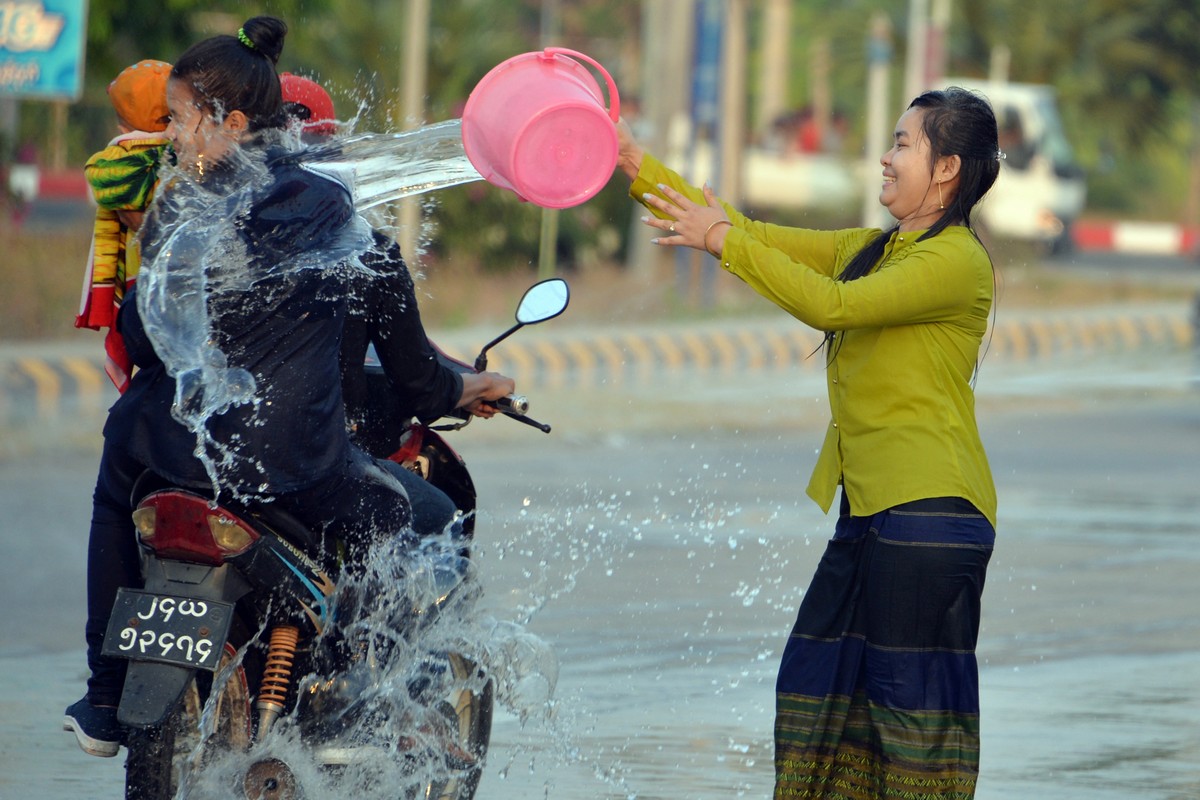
{"type": "Point", "coordinates": [383, 167]}
{"type": "Point", "coordinates": [409, 708]}
{"type": "Point", "coordinates": [522, 667]}
{"type": "Point", "coordinates": [203, 254]}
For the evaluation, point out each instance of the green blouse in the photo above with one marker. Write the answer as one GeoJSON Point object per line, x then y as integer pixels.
{"type": "Point", "coordinates": [908, 337]}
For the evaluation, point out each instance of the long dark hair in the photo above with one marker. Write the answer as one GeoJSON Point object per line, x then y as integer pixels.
{"type": "Point", "coordinates": [957, 122]}
{"type": "Point", "coordinates": [238, 72]}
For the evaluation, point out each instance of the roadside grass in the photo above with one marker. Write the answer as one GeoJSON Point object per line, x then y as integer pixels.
{"type": "Point", "coordinates": [42, 278]}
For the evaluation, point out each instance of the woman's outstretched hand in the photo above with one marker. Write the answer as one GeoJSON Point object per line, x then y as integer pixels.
{"type": "Point", "coordinates": [689, 223]}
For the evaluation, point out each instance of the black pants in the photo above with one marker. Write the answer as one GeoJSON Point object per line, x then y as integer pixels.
{"type": "Point", "coordinates": [357, 506]}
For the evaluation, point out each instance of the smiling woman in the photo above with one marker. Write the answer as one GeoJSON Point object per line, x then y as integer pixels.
{"type": "Point", "coordinates": [877, 694]}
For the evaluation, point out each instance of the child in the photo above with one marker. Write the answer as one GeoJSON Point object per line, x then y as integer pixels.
{"type": "Point", "coordinates": [307, 102]}
{"type": "Point", "coordinates": [122, 177]}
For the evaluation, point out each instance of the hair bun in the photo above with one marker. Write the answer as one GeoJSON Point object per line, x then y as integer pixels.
{"type": "Point", "coordinates": [267, 35]}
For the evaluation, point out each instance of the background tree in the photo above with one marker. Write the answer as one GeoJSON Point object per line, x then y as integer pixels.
{"type": "Point", "coordinates": [1126, 77]}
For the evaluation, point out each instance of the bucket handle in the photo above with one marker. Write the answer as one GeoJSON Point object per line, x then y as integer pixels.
{"type": "Point", "coordinates": [614, 101]}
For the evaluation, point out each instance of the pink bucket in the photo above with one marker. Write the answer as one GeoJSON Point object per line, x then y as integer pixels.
{"type": "Point", "coordinates": [536, 124]}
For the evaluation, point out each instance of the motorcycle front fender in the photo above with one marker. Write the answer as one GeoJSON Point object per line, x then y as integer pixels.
{"type": "Point", "coordinates": [152, 691]}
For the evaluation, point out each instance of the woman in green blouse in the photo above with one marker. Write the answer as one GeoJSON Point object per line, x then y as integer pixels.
{"type": "Point", "coordinates": [878, 693]}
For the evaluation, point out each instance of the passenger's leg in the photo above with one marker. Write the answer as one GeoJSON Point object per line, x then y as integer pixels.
{"type": "Point", "coordinates": [112, 562]}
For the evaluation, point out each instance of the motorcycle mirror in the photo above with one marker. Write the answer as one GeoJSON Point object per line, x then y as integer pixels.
{"type": "Point", "coordinates": [543, 301]}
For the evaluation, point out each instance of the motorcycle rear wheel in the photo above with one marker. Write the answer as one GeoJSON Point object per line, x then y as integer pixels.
{"type": "Point", "coordinates": [157, 756]}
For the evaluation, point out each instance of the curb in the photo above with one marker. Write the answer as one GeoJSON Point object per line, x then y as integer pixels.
{"type": "Point", "coordinates": [50, 380]}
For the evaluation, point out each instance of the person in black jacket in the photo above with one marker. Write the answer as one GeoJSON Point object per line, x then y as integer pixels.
{"type": "Point", "coordinates": [235, 328]}
{"type": "Point", "coordinates": [383, 315]}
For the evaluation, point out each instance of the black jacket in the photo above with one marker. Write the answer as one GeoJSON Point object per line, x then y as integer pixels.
{"type": "Point", "coordinates": [282, 324]}
{"type": "Point", "coordinates": [409, 380]}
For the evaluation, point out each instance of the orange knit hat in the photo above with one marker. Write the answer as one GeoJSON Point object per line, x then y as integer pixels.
{"type": "Point", "coordinates": [139, 94]}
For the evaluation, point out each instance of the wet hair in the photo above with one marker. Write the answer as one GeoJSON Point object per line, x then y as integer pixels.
{"type": "Point", "coordinates": [957, 122]}
{"type": "Point", "coordinates": [238, 72]}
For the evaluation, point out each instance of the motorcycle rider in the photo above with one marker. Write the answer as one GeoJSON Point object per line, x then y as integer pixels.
{"type": "Point", "coordinates": [384, 314]}
{"type": "Point", "coordinates": [290, 446]}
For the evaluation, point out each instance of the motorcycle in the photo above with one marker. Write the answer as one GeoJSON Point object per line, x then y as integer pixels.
{"type": "Point", "coordinates": [244, 658]}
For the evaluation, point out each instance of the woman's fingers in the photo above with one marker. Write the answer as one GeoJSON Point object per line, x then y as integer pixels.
{"type": "Point", "coordinates": [673, 212]}
{"type": "Point", "coordinates": [684, 220]}
{"type": "Point", "coordinates": [665, 206]}
{"type": "Point", "coordinates": [679, 201]}
{"type": "Point", "coordinates": [665, 225]}
{"type": "Point", "coordinates": [710, 197]}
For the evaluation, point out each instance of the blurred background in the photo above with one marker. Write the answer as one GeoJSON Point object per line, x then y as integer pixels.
{"type": "Point", "coordinates": [784, 106]}
{"type": "Point", "coordinates": [661, 531]}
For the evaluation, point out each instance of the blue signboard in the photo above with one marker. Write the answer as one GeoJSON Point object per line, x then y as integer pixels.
{"type": "Point", "coordinates": [706, 69]}
{"type": "Point", "coordinates": [42, 47]}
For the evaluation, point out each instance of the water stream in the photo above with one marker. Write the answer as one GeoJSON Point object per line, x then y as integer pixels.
{"type": "Point", "coordinates": [385, 167]}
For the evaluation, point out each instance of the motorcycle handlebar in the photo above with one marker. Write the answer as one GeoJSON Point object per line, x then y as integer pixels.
{"type": "Point", "coordinates": [533, 423]}
{"type": "Point", "coordinates": [516, 406]}
{"type": "Point", "coordinates": [514, 403]}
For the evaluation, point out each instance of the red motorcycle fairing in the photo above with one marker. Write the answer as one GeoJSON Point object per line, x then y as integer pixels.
{"type": "Point", "coordinates": [193, 549]}
{"type": "Point", "coordinates": [178, 525]}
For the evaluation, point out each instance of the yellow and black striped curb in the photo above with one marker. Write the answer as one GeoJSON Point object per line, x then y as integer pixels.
{"type": "Point", "coordinates": [617, 357]}
{"type": "Point", "coordinates": [49, 383]}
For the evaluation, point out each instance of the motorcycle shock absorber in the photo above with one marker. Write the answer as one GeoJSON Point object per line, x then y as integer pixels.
{"type": "Point", "coordinates": [277, 676]}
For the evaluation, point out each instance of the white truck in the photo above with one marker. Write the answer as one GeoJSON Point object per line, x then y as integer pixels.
{"type": "Point", "coordinates": [1041, 189]}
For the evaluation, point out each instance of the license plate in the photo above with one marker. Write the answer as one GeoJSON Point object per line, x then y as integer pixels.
{"type": "Point", "coordinates": [174, 630]}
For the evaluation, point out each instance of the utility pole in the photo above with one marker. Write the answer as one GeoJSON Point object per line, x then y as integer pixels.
{"type": "Point", "coordinates": [548, 239]}
{"type": "Point", "coordinates": [775, 67]}
{"type": "Point", "coordinates": [666, 61]}
{"type": "Point", "coordinates": [412, 112]}
{"type": "Point", "coordinates": [939, 32]}
{"type": "Point", "coordinates": [1191, 209]}
{"type": "Point", "coordinates": [733, 101]}
{"type": "Point", "coordinates": [819, 70]}
{"type": "Point", "coordinates": [998, 64]}
{"type": "Point", "coordinates": [58, 141]}
{"type": "Point", "coordinates": [917, 49]}
{"type": "Point", "coordinates": [879, 60]}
